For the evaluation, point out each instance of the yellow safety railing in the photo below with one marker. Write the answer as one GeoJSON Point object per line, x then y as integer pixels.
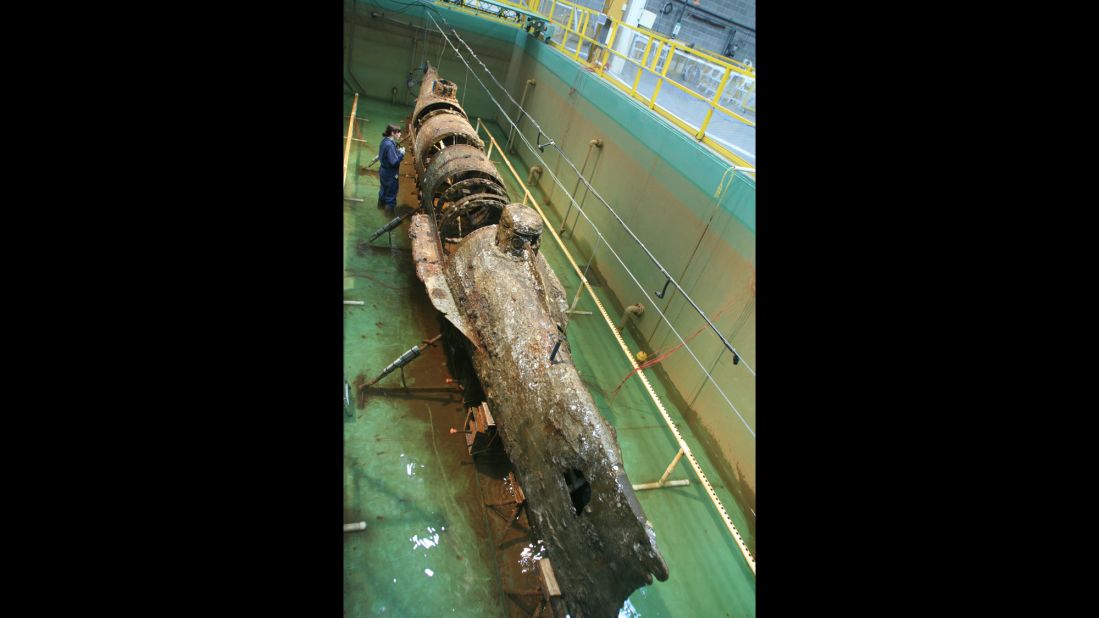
{"type": "Point", "coordinates": [578, 23]}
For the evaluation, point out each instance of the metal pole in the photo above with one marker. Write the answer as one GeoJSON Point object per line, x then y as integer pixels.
{"type": "Point", "coordinates": [518, 115]}
{"type": "Point", "coordinates": [671, 466]}
{"type": "Point", "coordinates": [580, 204]}
{"type": "Point", "coordinates": [640, 68]}
{"type": "Point", "coordinates": [607, 57]}
{"type": "Point", "coordinates": [663, 75]}
{"type": "Point", "coordinates": [583, 166]}
{"type": "Point", "coordinates": [664, 482]}
{"type": "Point", "coordinates": [716, 100]}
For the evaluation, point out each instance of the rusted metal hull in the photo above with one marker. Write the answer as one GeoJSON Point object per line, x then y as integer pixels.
{"type": "Point", "coordinates": [442, 132]}
{"type": "Point", "coordinates": [454, 164]}
{"type": "Point", "coordinates": [429, 268]}
{"type": "Point", "coordinates": [552, 430]}
{"type": "Point", "coordinates": [580, 502]}
{"type": "Point", "coordinates": [436, 94]}
{"type": "Point", "coordinates": [459, 186]}
{"type": "Point", "coordinates": [493, 284]}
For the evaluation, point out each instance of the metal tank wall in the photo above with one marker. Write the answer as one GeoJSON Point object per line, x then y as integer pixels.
{"type": "Point", "coordinates": [387, 48]}
{"type": "Point", "coordinates": [662, 183]}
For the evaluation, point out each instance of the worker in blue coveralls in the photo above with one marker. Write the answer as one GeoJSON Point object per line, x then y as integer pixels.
{"type": "Point", "coordinates": [390, 156]}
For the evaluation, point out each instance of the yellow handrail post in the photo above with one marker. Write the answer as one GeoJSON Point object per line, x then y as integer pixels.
{"type": "Point", "coordinates": [747, 94]}
{"type": "Point", "coordinates": [640, 68]}
{"type": "Point", "coordinates": [552, 11]}
{"type": "Point", "coordinates": [580, 34]}
{"type": "Point", "coordinates": [607, 49]}
{"type": "Point", "coordinates": [717, 97]}
{"type": "Point", "coordinates": [584, 31]}
{"type": "Point", "coordinates": [601, 54]}
{"type": "Point", "coordinates": [656, 57]}
{"type": "Point", "coordinates": [663, 75]}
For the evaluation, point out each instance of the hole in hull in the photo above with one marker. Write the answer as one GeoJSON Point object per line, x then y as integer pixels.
{"type": "Point", "coordinates": [579, 490]}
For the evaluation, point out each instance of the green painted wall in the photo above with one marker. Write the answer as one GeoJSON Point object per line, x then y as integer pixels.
{"type": "Point", "coordinates": [387, 49]}
{"type": "Point", "coordinates": [660, 181]}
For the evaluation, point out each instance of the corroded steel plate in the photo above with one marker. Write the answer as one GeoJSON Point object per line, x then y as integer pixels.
{"type": "Point", "coordinates": [450, 129]}
{"type": "Point", "coordinates": [455, 163]}
{"type": "Point", "coordinates": [429, 269]}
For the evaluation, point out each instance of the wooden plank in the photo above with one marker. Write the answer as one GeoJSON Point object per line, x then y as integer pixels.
{"type": "Point", "coordinates": [520, 497]}
{"type": "Point", "coordinates": [350, 132]}
{"type": "Point", "coordinates": [549, 580]}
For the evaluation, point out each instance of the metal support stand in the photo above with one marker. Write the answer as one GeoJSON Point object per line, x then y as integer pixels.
{"type": "Point", "coordinates": [572, 310]}
{"type": "Point", "coordinates": [403, 360]}
{"type": "Point", "coordinates": [390, 226]}
{"type": "Point", "coordinates": [664, 482]}
{"type": "Point", "coordinates": [576, 299]}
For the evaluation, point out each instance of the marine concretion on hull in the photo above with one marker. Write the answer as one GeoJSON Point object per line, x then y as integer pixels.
{"type": "Point", "coordinates": [440, 133]}
{"type": "Point", "coordinates": [489, 279]}
{"type": "Point", "coordinates": [436, 95]}
{"type": "Point", "coordinates": [458, 185]}
{"type": "Point", "coordinates": [502, 293]}
{"type": "Point", "coordinates": [566, 453]}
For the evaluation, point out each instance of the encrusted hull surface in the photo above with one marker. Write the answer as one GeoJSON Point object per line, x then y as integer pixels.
{"type": "Point", "coordinates": [565, 453]}
{"type": "Point", "coordinates": [488, 278]}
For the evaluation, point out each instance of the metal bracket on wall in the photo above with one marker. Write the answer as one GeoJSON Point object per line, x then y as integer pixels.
{"type": "Point", "coordinates": [541, 146]}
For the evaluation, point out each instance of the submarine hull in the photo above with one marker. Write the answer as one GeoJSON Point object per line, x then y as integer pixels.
{"type": "Point", "coordinates": [479, 258]}
{"type": "Point", "coordinates": [566, 454]}
{"type": "Point", "coordinates": [581, 503]}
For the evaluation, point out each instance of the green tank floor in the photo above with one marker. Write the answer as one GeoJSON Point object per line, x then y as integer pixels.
{"type": "Point", "coordinates": [428, 549]}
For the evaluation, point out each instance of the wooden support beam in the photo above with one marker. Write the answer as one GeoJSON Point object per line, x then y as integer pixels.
{"type": "Point", "coordinates": [350, 134]}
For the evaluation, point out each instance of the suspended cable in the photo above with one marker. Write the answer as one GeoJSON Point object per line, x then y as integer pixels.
{"type": "Point", "coordinates": [551, 142]}
{"type": "Point", "coordinates": [557, 181]}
